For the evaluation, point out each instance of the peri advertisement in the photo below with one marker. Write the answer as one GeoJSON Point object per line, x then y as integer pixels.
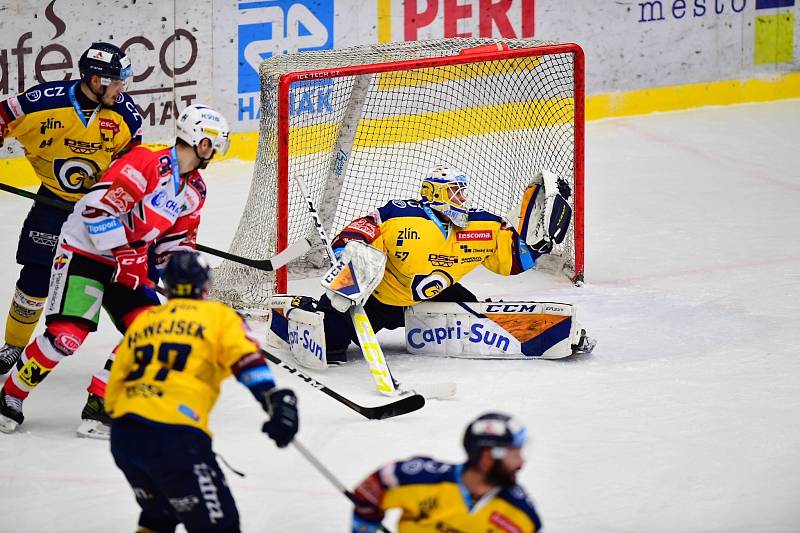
{"type": "Point", "coordinates": [200, 51]}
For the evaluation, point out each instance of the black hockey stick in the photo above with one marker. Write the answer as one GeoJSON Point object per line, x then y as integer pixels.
{"type": "Point", "coordinates": [327, 474]}
{"type": "Point", "coordinates": [404, 405]}
{"type": "Point", "coordinates": [277, 261]}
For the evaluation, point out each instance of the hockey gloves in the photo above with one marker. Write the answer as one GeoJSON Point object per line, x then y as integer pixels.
{"type": "Point", "coordinates": [281, 406]}
{"type": "Point", "coordinates": [131, 267]}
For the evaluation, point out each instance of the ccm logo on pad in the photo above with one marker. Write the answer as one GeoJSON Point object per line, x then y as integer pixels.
{"type": "Point", "coordinates": [485, 235]}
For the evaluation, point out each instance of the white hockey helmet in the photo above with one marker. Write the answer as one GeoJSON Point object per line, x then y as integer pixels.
{"type": "Point", "coordinates": [445, 189]}
{"type": "Point", "coordinates": [198, 122]}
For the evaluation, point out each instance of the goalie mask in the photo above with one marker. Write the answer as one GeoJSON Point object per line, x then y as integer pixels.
{"type": "Point", "coordinates": [198, 122]}
{"type": "Point", "coordinates": [445, 189]}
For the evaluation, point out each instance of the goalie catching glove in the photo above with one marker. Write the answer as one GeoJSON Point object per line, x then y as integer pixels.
{"type": "Point", "coordinates": [543, 217]}
{"type": "Point", "coordinates": [354, 276]}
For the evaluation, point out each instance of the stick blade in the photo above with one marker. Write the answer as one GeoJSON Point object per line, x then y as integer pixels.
{"type": "Point", "coordinates": [402, 406]}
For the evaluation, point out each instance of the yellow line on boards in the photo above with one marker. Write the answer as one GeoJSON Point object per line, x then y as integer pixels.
{"type": "Point", "coordinates": [17, 171]}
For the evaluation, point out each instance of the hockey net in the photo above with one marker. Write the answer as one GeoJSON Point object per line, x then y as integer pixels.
{"type": "Point", "coordinates": [362, 125]}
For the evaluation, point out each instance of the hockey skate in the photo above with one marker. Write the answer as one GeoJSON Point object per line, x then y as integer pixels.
{"type": "Point", "coordinates": [10, 413]}
{"type": "Point", "coordinates": [9, 355]}
{"type": "Point", "coordinates": [96, 424]}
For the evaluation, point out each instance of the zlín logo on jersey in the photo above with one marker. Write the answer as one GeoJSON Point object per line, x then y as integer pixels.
{"type": "Point", "coordinates": [50, 124]}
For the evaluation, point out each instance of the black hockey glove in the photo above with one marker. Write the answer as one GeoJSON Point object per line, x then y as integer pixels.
{"type": "Point", "coordinates": [281, 406]}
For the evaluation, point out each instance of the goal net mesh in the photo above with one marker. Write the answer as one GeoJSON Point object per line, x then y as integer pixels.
{"type": "Point", "coordinates": [359, 138]}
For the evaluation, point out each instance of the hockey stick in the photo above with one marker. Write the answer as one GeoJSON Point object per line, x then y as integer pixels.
{"type": "Point", "coordinates": [367, 340]}
{"type": "Point", "coordinates": [327, 474]}
{"type": "Point", "coordinates": [277, 261]}
{"type": "Point", "coordinates": [404, 405]}
{"type": "Point", "coordinates": [370, 348]}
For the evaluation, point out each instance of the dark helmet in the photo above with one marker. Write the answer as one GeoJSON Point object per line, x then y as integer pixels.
{"type": "Point", "coordinates": [187, 275]}
{"type": "Point", "coordinates": [495, 431]}
{"type": "Point", "coordinates": [107, 61]}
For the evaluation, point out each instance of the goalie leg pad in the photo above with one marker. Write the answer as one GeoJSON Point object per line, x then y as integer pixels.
{"type": "Point", "coordinates": [306, 336]}
{"type": "Point", "coordinates": [491, 330]}
{"type": "Point", "coordinates": [295, 326]}
{"type": "Point", "coordinates": [351, 280]}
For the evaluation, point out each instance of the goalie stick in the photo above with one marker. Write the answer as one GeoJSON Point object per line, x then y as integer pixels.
{"type": "Point", "coordinates": [406, 404]}
{"type": "Point", "coordinates": [367, 340]}
{"type": "Point", "coordinates": [281, 259]}
{"type": "Point", "coordinates": [327, 474]}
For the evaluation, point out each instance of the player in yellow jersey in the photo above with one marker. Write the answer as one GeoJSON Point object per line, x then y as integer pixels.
{"type": "Point", "coordinates": [410, 251]}
{"type": "Point", "coordinates": [163, 385]}
{"type": "Point", "coordinates": [481, 495]}
{"type": "Point", "coordinates": [70, 130]}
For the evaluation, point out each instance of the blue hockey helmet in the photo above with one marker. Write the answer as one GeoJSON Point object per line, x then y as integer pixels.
{"type": "Point", "coordinates": [107, 61]}
{"type": "Point", "coordinates": [496, 431]}
{"type": "Point", "coordinates": [187, 275]}
{"type": "Point", "coordinates": [445, 189]}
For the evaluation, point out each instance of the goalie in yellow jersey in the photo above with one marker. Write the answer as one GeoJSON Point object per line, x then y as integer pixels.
{"type": "Point", "coordinates": [163, 384]}
{"type": "Point", "coordinates": [416, 250]}
{"type": "Point", "coordinates": [479, 495]}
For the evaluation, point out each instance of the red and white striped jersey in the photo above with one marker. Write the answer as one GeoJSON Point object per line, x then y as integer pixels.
{"type": "Point", "coordinates": [141, 199]}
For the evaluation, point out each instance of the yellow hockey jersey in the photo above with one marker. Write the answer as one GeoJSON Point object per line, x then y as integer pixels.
{"type": "Point", "coordinates": [433, 498]}
{"type": "Point", "coordinates": [68, 151]}
{"type": "Point", "coordinates": [425, 255]}
{"type": "Point", "coordinates": [172, 360]}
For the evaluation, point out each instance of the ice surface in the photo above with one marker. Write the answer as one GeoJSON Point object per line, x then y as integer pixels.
{"type": "Point", "coordinates": [685, 418]}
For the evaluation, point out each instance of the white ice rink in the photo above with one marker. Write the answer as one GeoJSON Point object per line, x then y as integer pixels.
{"type": "Point", "coordinates": [686, 417]}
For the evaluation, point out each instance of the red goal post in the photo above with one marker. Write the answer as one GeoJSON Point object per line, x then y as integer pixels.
{"type": "Point", "coordinates": [361, 125]}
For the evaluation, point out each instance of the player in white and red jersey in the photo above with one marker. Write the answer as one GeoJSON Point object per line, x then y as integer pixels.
{"type": "Point", "coordinates": [145, 199]}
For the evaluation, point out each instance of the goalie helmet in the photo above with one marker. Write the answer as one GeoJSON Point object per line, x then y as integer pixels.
{"type": "Point", "coordinates": [187, 275]}
{"type": "Point", "coordinates": [445, 189]}
{"type": "Point", "coordinates": [495, 431]}
{"type": "Point", "coordinates": [108, 62]}
{"type": "Point", "coordinates": [198, 122]}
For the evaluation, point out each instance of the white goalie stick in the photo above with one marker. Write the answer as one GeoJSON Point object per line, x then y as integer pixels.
{"type": "Point", "coordinates": [370, 348]}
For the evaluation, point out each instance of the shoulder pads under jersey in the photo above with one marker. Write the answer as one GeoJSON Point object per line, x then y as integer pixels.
{"type": "Point", "coordinates": [518, 497]}
{"type": "Point", "coordinates": [423, 470]}
{"type": "Point", "coordinates": [45, 96]}
{"type": "Point", "coordinates": [401, 208]}
{"type": "Point", "coordinates": [481, 215]}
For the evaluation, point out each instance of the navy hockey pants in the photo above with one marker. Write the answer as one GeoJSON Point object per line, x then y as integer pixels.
{"type": "Point", "coordinates": [174, 475]}
{"type": "Point", "coordinates": [37, 245]}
